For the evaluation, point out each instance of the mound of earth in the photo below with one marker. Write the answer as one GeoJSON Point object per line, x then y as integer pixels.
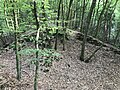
{"type": "Point", "coordinates": [101, 73]}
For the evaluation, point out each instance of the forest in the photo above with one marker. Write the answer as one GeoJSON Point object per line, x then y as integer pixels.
{"type": "Point", "coordinates": [59, 44]}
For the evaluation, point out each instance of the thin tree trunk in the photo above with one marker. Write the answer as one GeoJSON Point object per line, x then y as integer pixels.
{"type": "Point", "coordinates": [86, 29]}
{"type": "Point", "coordinates": [36, 46]}
{"type": "Point", "coordinates": [66, 23]}
{"type": "Point", "coordinates": [16, 42]}
{"type": "Point", "coordinates": [63, 24]}
{"type": "Point", "coordinates": [58, 16]}
{"type": "Point", "coordinates": [5, 13]}
{"type": "Point", "coordinates": [83, 12]}
{"type": "Point", "coordinates": [99, 19]}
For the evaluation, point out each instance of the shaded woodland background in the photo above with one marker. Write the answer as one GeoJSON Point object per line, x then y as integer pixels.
{"type": "Point", "coordinates": [40, 29]}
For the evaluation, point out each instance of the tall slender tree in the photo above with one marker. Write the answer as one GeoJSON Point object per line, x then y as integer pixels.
{"type": "Point", "coordinates": [87, 29]}
{"type": "Point", "coordinates": [36, 45]}
{"type": "Point", "coordinates": [15, 19]}
{"type": "Point", "coordinates": [58, 17]}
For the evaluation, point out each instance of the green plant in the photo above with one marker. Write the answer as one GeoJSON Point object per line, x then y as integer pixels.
{"type": "Point", "coordinates": [45, 58]}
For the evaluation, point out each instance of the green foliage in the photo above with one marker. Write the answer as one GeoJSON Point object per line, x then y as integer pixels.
{"type": "Point", "coordinates": [47, 56]}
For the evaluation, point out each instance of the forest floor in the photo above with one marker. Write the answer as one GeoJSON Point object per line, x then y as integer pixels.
{"type": "Point", "coordinates": [101, 73]}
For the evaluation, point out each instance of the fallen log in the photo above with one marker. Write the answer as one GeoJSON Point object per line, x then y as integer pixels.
{"type": "Point", "coordinates": [95, 41]}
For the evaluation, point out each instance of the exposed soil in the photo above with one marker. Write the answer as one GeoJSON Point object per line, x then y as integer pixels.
{"type": "Point", "coordinates": [101, 73]}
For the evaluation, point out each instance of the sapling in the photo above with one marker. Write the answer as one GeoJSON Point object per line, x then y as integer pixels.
{"type": "Point", "coordinates": [16, 41]}
{"type": "Point", "coordinates": [45, 58]}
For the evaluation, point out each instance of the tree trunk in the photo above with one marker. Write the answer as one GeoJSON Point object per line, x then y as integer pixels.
{"type": "Point", "coordinates": [99, 19]}
{"type": "Point", "coordinates": [36, 46]}
{"type": "Point", "coordinates": [86, 29]}
{"type": "Point", "coordinates": [16, 42]}
{"type": "Point", "coordinates": [58, 16]}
